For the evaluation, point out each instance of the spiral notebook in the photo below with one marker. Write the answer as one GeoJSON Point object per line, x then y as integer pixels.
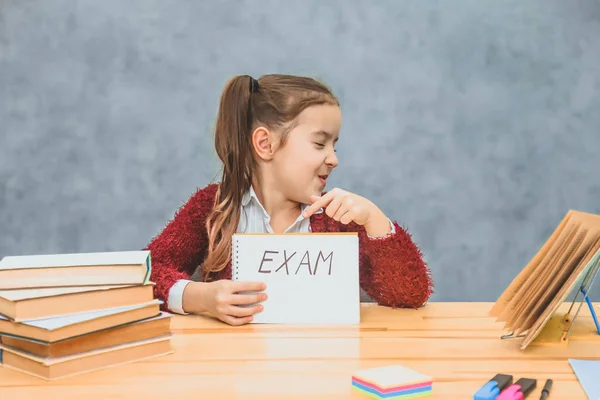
{"type": "Point", "coordinates": [311, 278]}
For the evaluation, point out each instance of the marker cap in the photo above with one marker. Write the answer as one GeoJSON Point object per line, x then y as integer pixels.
{"type": "Point", "coordinates": [527, 385]}
{"type": "Point", "coordinates": [493, 387]}
{"type": "Point", "coordinates": [503, 380]}
{"type": "Point", "coordinates": [519, 390]}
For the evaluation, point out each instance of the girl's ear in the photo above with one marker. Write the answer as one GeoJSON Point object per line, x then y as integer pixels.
{"type": "Point", "coordinates": [263, 142]}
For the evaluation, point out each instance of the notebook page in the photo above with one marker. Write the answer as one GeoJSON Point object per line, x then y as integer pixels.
{"type": "Point", "coordinates": [310, 278]}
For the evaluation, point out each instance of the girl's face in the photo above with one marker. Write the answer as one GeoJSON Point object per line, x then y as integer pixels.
{"type": "Point", "coordinates": [302, 166]}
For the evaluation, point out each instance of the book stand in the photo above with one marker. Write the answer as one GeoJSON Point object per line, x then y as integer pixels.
{"type": "Point", "coordinates": [534, 305]}
{"type": "Point", "coordinates": [557, 329]}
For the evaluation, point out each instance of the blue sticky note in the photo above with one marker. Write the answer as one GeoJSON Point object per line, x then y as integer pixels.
{"type": "Point", "coordinates": [587, 372]}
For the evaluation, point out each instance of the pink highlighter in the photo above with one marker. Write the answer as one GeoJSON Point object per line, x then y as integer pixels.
{"type": "Point", "coordinates": [519, 390]}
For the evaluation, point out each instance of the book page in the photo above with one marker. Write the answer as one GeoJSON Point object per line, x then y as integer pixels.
{"type": "Point", "coordinates": [570, 285]}
{"type": "Point", "coordinates": [570, 271]}
{"type": "Point", "coordinates": [508, 294]}
{"type": "Point", "coordinates": [540, 288]}
{"type": "Point", "coordinates": [523, 297]}
{"type": "Point", "coordinates": [310, 278]}
{"type": "Point", "coordinates": [76, 259]}
{"type": "Point", "coordinates": [555, 282]}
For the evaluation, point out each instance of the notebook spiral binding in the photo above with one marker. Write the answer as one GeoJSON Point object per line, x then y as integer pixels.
{"type": "Point", "coordinates": [235, 256]}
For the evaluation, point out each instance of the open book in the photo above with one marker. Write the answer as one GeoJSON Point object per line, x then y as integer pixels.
{"type": "Point", "coordinates": [558, 268]}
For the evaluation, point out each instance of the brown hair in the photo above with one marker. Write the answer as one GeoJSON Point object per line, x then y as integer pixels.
{"type": "Point", "coordinates": [273, 101]}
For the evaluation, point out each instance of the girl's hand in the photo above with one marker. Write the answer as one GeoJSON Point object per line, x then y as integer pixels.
{"type": "Point", "coordinates": [347, 207]}
{"type": "Point", "coordinates": [225, 300]}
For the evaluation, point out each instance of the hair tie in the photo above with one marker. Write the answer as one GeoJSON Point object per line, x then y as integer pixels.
{"type": "Point", "coordinates": [253, 85]}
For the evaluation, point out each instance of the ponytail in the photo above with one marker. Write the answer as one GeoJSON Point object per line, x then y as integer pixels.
{"type": "Point", "coordinates": [233, 144]}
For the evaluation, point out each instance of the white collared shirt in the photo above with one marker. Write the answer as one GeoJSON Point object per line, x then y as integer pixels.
{"type": "Point", "coordinates": [253, 219]}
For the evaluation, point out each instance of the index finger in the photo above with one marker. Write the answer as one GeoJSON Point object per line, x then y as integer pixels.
{"type": "Point", "coordinates": [245, 286]}
{"type": "Point", "coordinates": [321, 202]}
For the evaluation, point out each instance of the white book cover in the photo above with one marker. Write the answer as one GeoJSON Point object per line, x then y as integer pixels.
{"type": "Point", "coordinates": [25, 294]}
{"type": "Point", "coordinates": [76, 259]}
{"type": "Point", "coordinates": [51, 324]}
{"type": "Point", "coordinates": [311, 278]}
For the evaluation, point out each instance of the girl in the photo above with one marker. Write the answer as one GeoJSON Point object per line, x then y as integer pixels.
{"type": "Point", "coordinates": [276, 138]}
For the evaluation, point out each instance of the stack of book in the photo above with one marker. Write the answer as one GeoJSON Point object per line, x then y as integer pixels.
{"type": "Point", "coordinates": [65, 314]}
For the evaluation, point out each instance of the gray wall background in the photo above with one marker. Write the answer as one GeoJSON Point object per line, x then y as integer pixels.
{"type": "Point", "coordinates": [473, 123]}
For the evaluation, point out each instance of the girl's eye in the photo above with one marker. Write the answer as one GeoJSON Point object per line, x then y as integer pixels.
{"type": "Point", "coordinates": [320, 144]}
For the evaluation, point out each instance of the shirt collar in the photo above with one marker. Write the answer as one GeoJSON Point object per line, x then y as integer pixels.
{"type": "Point", "coordinates": [251, 195]}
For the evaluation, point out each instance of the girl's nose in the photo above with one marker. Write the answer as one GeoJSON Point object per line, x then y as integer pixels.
{"type": "Point", "coordinates": [332, 160]}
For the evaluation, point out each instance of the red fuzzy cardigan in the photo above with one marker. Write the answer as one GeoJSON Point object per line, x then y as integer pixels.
{"type": "Point", "coordinates": [392, 270]}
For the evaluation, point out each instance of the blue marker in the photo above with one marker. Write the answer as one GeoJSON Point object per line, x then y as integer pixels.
{"type": "Point", "coordinates": [491, 389]}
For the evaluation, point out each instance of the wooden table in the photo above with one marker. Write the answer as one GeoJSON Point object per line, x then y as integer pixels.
{"type": "Point", "coordinates": [456, 343]}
